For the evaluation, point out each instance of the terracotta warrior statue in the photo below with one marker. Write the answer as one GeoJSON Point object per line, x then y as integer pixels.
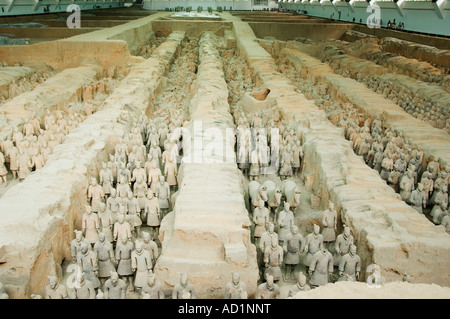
{"type": "Point", "coordinates": [438, 212]}
{"type": "Point", "coordinates": [299, 286]}
{"type": "Point", "coordinates": [90, 225]}
{"type": "Point", "coordinates": [329, 223]}
{"type": "Point", "coordinates": [268, 289]}
{"type": "Point", "coordinates": [106, 179]}
{"type": "Point", "coordinates": [141, 264]}
{"type": "Point", "coordinates": [106, 221]}
{"type": "Point", "coordinates": [260, 218]}
{"type": "Point", "coordinates": [342, 245]}
{"type": "Point", "coordinates": [112, 204]}
{"type": "Point", "coordinates": [83, 289]}
{"type": "Point", "coordinates": [350, 265]}
{"type": "Point", "coordinates": [285, 222]}
{"type": "Point", "coordinates": [122, 228]}
{"type": "Point", "coordinates": [149, 245]}
{"type": "Point", "coordinates": [75, 245]}
{"type": "Point", "coordinates": [418, 198]}
{"type": "Point", "coordinates": [321, 267]}
{"type": "Point", "coordinates": [184, 289]}
{"type": "Point", "coordinates": [153, 289]}
{"type": "Point", "coordinates": [55, 290]}
{"type": "Point", "coordinates": [3, 170]}
{"type": "Point", "coordinates": [105, 257]}
{"type": "Point", "coordinates": [314, 243]}
{"type": "Point", "coordinates": [406, 185]}
{"type": "Point", "coordinates": [153, 213]}
{"type": "Point", "coordinates": [163, 193]}
{"type": "Point", "coordinates": [124, 249]}
{"type": "Point", "coordinates": [95, 195]}
{"type": "Point", "coordinates": [273, 258]}
{"type": "Point", "coordinates": [235, 289]}
{"type": "Point", "coordinates": [134, 214]}
{"type": "Point", "coordinates": [89, 265]}
{"type": "Point", "coordinates": [115, 288]}
{"type": "Point", "coordinates": [294, 245]}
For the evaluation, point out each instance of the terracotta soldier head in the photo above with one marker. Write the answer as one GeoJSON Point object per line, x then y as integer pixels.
{"type": "Point", "coordinates": [316, 229]}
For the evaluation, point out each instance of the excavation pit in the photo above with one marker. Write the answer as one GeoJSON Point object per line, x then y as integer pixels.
{"type": "Point", "coordinates": [133, 79]}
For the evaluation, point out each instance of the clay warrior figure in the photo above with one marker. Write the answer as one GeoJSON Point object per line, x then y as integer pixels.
{"type": "Point", "coordinates": [76, 244]}
{"type": "Point", "coordinates": [285, 222]}
{"type": "Point", "coordinates": [329, 222]}
{"type": "Point", "coordinates": [37, 160]}
{"type": "Point", "coordinates": [266, 238]}
{"type": "Point", "coordinates": [297, 155]}
{"type": "Point", "coordinates": [139, 172]}
{"type": "Point", "coordinates": [24, 164]}
{"type": "Point", "coordinates": [124, 249]}
{"type": "Point", "coordinates": [273, 258]}
{"type": "Point", "coordinates": [153, 289]}
{"type": "Point", "coordinates": [446, 222]}
{"type": "Point", "coordinates": [439, 184]}
{"type": "Point", "coordinates": [54, 290]}
{"type": "Point", "coordinates": [89, 265]}
{"type": "Point", "coordinates": [95, 195]}
{"type": "Point", "coordinates": [235, 289]}
{"type": "Point", "coordinates": [286, 163]}
{"type": "Point", "coordinates": [299, 286]}
{"type": "Point", "coordinates": [163, 193]}
{"type": "Point", "coordinates": [149, 245]}
{"type": "Point", "coordinates": [441, 196]}
{"type": "Point", "coordinates": [122, 188]}
{"type": "Point", "coordinates": [106, 179]}
{"type": "Point", "coordinates": [112, 204]}
{"type": "Point", "coordinates": [153, 213]}
{"type": "Point", "coordinates": [106, 220]}
{"type": "Point", "coordinates": [140, 187]}
{"type": "Point", "coordinates": [268, 289]}
{"type": "Point", "coordinates": [122, 228]}
{"type": "Point", "coordinates": [386, 166]}
{"type": "Point", "coordinates": [13, 154]}
{"type": "Point", "coordinates": [394, 179]}
{"type": "Point", "coordinates": [83, 289]}
{"type": "Point", "coordinates": [254, 166]}
{"type": "Point", "coordinates": [134, 217]}
{"type": "Point", "coordinates": [293, 247]}
{"type": "Point", "coordinates": [184, 289]}
{"type": "Point", "coordinates": [350, 265]}
{"type": "Point", "coordinates": [274, 203]}
{"type": "Point", "coordinates": [115, 288]}
{"type": "Point", "coordinates": [427, 182]}
{"type": "Point", "coordinates": [418, 198]}
{"type": "Point", "coordinates": [90, 225]}
{"type": "Point", "coordinates": [320, 268]}
{"type": "Point", "coordinates": [342, 245]}
{"type": "Point", "coordinates": [260, 219]}
{"type": "Point", "coordinates": [154, 174]}
{"type": "Point", "coordinates": [314, 243]}
{"type": "Point", "coordinates": [170, 170]}
{"type": "Point", "coordinates": [141, 264]}
{"type": "Point", "coordinates": [105, 256]}
{"type": "Point", "coordinates": [438, 212]}
{"type": "Point", "coordinates": [3, 170]}
{"type": "Point", "coordinates": [406, 185]}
